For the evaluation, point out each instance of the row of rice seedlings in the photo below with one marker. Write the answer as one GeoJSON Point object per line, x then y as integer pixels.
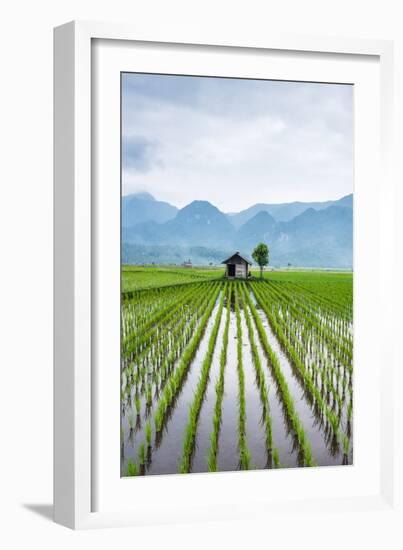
{"type": "Point", "coordinates": [303, 305]}
{"type": "Point", "coordinates": [176, 332]}
{"type": "Point", "coordinates": [182, 336]}
{"type": "Point", "coordinates": [316, 363]}
{"type": "Point", "coordinates": [203, 299]}
{"type": "Point", "coordinates": [191, 428]}
{"type": "Point", "coordinates": [137, 343]}
{"type": "Point", "coordinates": [174, 384]}
{"type": "Point", "coordinates": [179, 336]}
{"type": "Point", "coordinates": [139, 312]}
{"type": "Point", "coordinates": [319, 352]}
{"type": "Point", "coordinates": [329, 367]}
{"type": "Point", "coordinates": [219, 390]}
{"type": "Point", "coordinates": [131, 348]}
{"type": "Point", "coordinates": [149, 301]}
{"type": "Point", "coordinates": [171, 339]}
{"type": "Point", "coordinates": [176, 297]}
{"type": "Point", "coordinates": [309, 385]}
{"type": "Point", "coordinates": [336, 297]}
{"type": "Point", "coordinates": [244, 451]}
{"type": "Point", "coordinates": [331, 327]}
{"type": "Point", "coordinates": [325, 373]}
{"type": "Point", "coordinates": [139, 307]}
{"type": "Point", "coordinates": [180, 331]}
{"type": "Point", "coordinates": [287, 400]}
{"type": "Point", "coordinates": [306, 316]}
{"type": "Point", "coordinates": [326, 306]}
{"type": "Point", "coordinates": [309, 344]}
{"type": "Point", "coordinates": [328, 374]}
{"type": "Point", "coordinates": [260, 378]}
{"type": "Point", "coordinates": [143, 310]}
{"type": "Point", "coordinates": [161, 278]}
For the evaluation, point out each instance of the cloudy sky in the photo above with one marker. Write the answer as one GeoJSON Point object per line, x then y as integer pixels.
{"type": "Point", "coordinates": [235, 142]}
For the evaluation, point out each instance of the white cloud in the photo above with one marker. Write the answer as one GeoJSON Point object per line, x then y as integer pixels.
{"type": "Point", "coordinates": [236, 143]}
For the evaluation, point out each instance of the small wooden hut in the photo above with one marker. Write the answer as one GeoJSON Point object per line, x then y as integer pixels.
{"type": "Point", "coordinates": [237, 266]}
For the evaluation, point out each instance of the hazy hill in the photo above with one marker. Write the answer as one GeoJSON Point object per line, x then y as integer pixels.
{"type": "Point", "coordinates": [142, 207]}
{"type": "Point", "coordinates": [261, 227]}
{"type": "Point", "coordinates": [286, 211]}
{"type": "Point", "coordinates": [197, 224]}
{"type": "Point", "coordinates": [317, 237]}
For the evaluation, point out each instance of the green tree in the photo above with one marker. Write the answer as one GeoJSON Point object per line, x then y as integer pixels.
{"type": "Point", "coordinates": [261, 256]}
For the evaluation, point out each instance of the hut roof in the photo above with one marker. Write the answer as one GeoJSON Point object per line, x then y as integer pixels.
{"type": "Point", "coordinates": [228, 260]}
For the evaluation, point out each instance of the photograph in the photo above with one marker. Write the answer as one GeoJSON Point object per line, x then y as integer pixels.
{"type": "Point", "coordinates": [236, 274]}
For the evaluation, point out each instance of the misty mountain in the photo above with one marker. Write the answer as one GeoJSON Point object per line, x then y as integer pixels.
{"type": "Point", "coordinates": [201, 232]}
{"type": "Point", "coordinates": [260, 228]}
{"type": "Point", "coordinates": [201, 223]}
{"type": "Point", "coordinates": [143, 207]}
{"type": "Point", "coordinates": [316, 238]}
{"type": "Point", "coordinates": [287, 211]}
{"type": "Point", "coordinates": [198, 223]}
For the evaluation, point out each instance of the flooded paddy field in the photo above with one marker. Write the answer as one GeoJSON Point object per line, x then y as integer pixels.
{"type": "Point", "coordinates": [225, 375]}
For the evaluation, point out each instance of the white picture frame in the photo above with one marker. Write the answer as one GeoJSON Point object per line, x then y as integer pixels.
{"type": "Point", "coordinates": [84, 494]}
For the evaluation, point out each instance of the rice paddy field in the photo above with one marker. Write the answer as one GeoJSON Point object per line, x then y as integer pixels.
{"type": "Point", "coordinates": [221, 375]}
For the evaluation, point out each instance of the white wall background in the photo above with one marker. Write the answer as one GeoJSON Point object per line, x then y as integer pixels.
{"type": "Point", "coordinates": [26, 262]}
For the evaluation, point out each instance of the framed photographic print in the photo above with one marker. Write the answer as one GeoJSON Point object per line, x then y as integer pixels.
{"type": "Point", "coordinates": [237, 283]}
{"type": "Point", "coordinates": [219, 235]}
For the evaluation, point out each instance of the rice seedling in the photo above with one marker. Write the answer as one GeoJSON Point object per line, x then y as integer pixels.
{"type": "Point", "coordinates": [132, 468]}
{"type": "Point", "coordinates": [142, 454]}
{"type": "Point", "coordinates": [346, 445]}
{"type": "Point", "coordinates": [276, 459]}
{"type": "Point", "coordinates": [148, 434]}
{"type": "Point", "coordinates": [149, 395]}
{"type": "Point", "coordinates": [138, 405]}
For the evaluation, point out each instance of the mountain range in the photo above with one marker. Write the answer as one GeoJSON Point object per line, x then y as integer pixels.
{"type": "Point", "coordinates": [315, 234]}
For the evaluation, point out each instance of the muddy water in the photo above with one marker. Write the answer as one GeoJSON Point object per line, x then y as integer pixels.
{"type": "Point", "coordinates": [205, 425]}
{"type": "Point", "coordinates": [166, 458]}
{"type": "Point", "coordinates": [254, 425]}
{"type": "Point", "coordinates": [320, 450]}
{"type": "Point", "coordinates": [228, 450]}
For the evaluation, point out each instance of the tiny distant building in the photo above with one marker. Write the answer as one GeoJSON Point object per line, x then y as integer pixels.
{"type": "Point", "coordinates": [187, 263]}
{"type": "Point", "coordinates": [237, 266]}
